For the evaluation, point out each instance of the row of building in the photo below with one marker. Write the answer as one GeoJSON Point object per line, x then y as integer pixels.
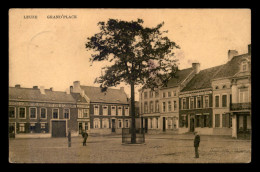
{"type": "Point", "coordinates": [39, 112]}
{"type": "Point", "coordinates": [213, 101]}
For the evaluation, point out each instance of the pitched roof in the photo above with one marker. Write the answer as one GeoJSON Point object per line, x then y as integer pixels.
{"type": "Point", "coordinates": [230, 68]}
{"type": "Point", "coordinates": [35, 95]}
{"type": "Point", "coordinates": [202, 80]}
{"type": "Point", "coordinates": [110, 96]}
{"type": "Point", "coordinates": [181, 75]}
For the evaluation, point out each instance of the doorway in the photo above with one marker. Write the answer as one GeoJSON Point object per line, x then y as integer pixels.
{"type": "Point", "coordinates": [243, 132]}
{"type": "Point", "coordinates": [58, 128]}
{"type": "Point", "coordinates": [145, 125]}
{"type": "Point", "coordinates": [113, 125]}
{"type": "Point", "coordinates": [164, 124]}
{"type": "Point", "coordinates": [192, 124]}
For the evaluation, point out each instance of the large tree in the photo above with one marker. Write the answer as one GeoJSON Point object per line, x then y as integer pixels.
{"type": "Point", "coordinates": [137, 54]}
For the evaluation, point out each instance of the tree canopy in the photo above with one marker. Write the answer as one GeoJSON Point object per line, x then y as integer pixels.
{"type": "Point", "coordinates": [138, 54]}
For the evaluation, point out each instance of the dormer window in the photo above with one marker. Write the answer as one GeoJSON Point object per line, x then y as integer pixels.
{"type": "Point", "coordinates": [244, 66]}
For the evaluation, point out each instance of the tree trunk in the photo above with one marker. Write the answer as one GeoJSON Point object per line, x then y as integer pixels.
{"type": "Point", "coordinates": [133, 134]}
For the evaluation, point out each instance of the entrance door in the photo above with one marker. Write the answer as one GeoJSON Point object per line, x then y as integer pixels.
{"type": "Point", "coordinates": [146, 125]}
{"type": "Point", "coordinates": [113, 125]}
{"type": "Point", "coordinates": [242, 131]}
{"type": "Point", "coordinates": [191, 124]}
{"type": "Point", "coordinates": [58, 128]}
{"type": "Point", "coordinates": [164, 124]}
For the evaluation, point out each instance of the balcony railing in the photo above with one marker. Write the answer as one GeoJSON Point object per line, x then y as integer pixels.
{"type": "Point", "coordinates": [240, 106]}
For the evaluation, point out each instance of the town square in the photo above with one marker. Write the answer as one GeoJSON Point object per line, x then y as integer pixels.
{"type": "Point", "coordinates": [129, 86]}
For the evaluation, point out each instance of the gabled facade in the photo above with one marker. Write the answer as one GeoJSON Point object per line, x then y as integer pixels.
{"type": "Point", "coordinates": [109, 111]}
{"type": "Point", "coordinates": [196, 105]}
{"type": "Point", "coordinates": [39, 112]}
{"type": "Point", "coordinates": [159, 109]}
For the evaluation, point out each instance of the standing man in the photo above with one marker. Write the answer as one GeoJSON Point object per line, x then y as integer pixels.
{"type": "Point", "coordinates": [69, 138]}
{"type": "Point", "coordinates": [196, 144]}
{"type": "Point", "coordinates": [85, 136]}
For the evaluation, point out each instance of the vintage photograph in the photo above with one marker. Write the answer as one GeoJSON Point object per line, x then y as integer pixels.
{"type": "Point", "coordinates": [129, 85]}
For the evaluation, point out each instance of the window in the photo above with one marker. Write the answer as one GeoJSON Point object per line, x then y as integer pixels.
{"type": "Point", "coordinates": [32, 113]}
{"type": "Point", "coordinates": [197, 118]}
{"type": "Point", "coordinates": [243, 95]}
{"type": "Point", "coordinates": [191, 103]}
{"type": "Point", "coordinates": [224, 100]}
{"type": "Point", "coordinates": [85, 113]}
{"type": "Point", "coordinates": [22, 113]}
{"type": "Point", "coordinates": [80, 113]}
{"type": "Point", "coordinates": [11, 112]}
{"type": "Point", "coordinates": [169, 94]}
{"type": "Point", "coordinates": [164, 94]}
{"type": "Point", "coordinates": [96, 110]}
{"type": "Point", "coordinates": [120, 123]}
{"type": "Point", "coordinates": [151, 94]}
{"type": "Point", "coordinates": [145, 95]}
{"type": "Point", "coordinates": [21, 127]}
{"type": "Point", "coordinates": [157, 123]}
{"type": "Point", "coordinates": [43, 113]}
{"type": "Point", "coordinates": [216, 101]}
{"type": "Point", "coordinates": [226, 120]}
{"type": "Point", "coordinates": [206, 101]}
{"type": "Point", "coordinates": [96, 123]}
{"type": "Point", "coordinates": [151, 122]}
{"type": "Point", "coordinates": [175, 93]}
{"type": "Point", "coordinates": [156, 94]}
{"type": "Point", "coordinates": [126, 111]}
{"type": "Point", "coordinates": [86, 126]}
{"type": "Point", "coordinates": [151, 107]}
{"type": "Point", "coordinates": [145, 107]}
{"type": "Point", "coordinates": [164, 107]}
{"type": "Point", "coordinates": [32, 127]}
{"type": "Point", "coordinates": [119, 111]}
{"type": "Point", "coordinates": [66, 113]}
{"type": "Point", "coordinates": [184, 103]}
{"type": "Point", "coordinates": [113, 110]}
{"type": "Point", "coordinates": [217, 120]}
{"type": "Point", "coordinates": [244, 66]}
{"type": "Point", "coordinates": [105, 123]}
{"type": "Point", "coordinates": [126, 123]}
{"type": "Point", "coordinates": [156, 106]}
{"type": "Point", "coordinates": [43, 127]}
{"type": "Point", "coordinates": [175, 105]}
{"type": "Point", "coordinates": [105, 110]}
{"type": "Point", "coordinates": [55, 113]}
{"type": "Point", "coordinates": [199, 102]}
{"type": "Point", "coordinates": [169, 106]}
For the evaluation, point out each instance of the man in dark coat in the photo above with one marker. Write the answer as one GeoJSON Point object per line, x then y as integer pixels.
{"type": "Point", "coordinates": [85, 136]}
{"type": "Point", "coordinates": [69, 138]}
{"type": "Point", "coordinates": [196, 144]}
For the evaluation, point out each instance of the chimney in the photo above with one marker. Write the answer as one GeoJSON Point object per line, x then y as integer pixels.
{"type": "Point", "coordinates": [196, 67]}
{"type": "Point", "coordinates": [35, 87]}
{"type": "Point", "coordinates": [42, 90]}
{"type": "Point", "coordinates": [51, 89]}
{"type": "Point", "coordinates": [231, 54]}
{"type": "Point", "coordinates": [122, 89]}
{"type": "Point", "coordinates": [249, 49]}
{"type": "Point", "coordinates": [71, 89]}
{"type": "Point", "coordinates": [76, 87]}
{"type": "Point", "coordinates": [17, 86]}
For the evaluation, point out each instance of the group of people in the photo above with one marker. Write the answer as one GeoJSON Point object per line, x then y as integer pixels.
{"type": "Point", "coordinates": [85, 137]}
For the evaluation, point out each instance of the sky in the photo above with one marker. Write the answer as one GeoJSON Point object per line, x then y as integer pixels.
{"type": "Point", "coordinates": [51, 52]}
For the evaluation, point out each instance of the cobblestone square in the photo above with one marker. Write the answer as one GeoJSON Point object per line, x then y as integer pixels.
{"type": "Point", "coordinates": [163, 148]}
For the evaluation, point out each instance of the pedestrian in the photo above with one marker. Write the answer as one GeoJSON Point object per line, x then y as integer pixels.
{"type": "Point", "coordinates": [196, 144]}
{"type": "Point", "coordinates": [85, 136]}
{"type": "Point", "coordinates": [69, 138]}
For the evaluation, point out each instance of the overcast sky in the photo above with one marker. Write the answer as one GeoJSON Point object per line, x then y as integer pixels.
{"type": "Point", "coordinates": [51, 52]}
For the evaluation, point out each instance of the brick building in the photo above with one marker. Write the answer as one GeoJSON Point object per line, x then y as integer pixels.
{"type": "Point", "coordinates": [39, 112]}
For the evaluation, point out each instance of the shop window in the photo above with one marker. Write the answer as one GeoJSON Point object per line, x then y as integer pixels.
{"type": "Point", "coordinates": [21, 127]}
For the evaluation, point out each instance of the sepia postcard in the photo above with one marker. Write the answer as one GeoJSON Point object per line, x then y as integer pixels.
{"type": "Point", "coordinates": [129, 85]}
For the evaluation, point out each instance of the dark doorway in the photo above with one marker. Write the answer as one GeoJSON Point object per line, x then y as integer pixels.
{"type": "Point", "coordinates": [58, 128]}
{"type": "Point", "coordinates": [164, 125]}
{"type": "Point", "coordinates": [113, 125]}
{"type": "Point", "coordinates": [242, 128]}
{"type": "Point", "coordinates": [192, 124]}
{"type": "Point", "coordinates": [146, 125]}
